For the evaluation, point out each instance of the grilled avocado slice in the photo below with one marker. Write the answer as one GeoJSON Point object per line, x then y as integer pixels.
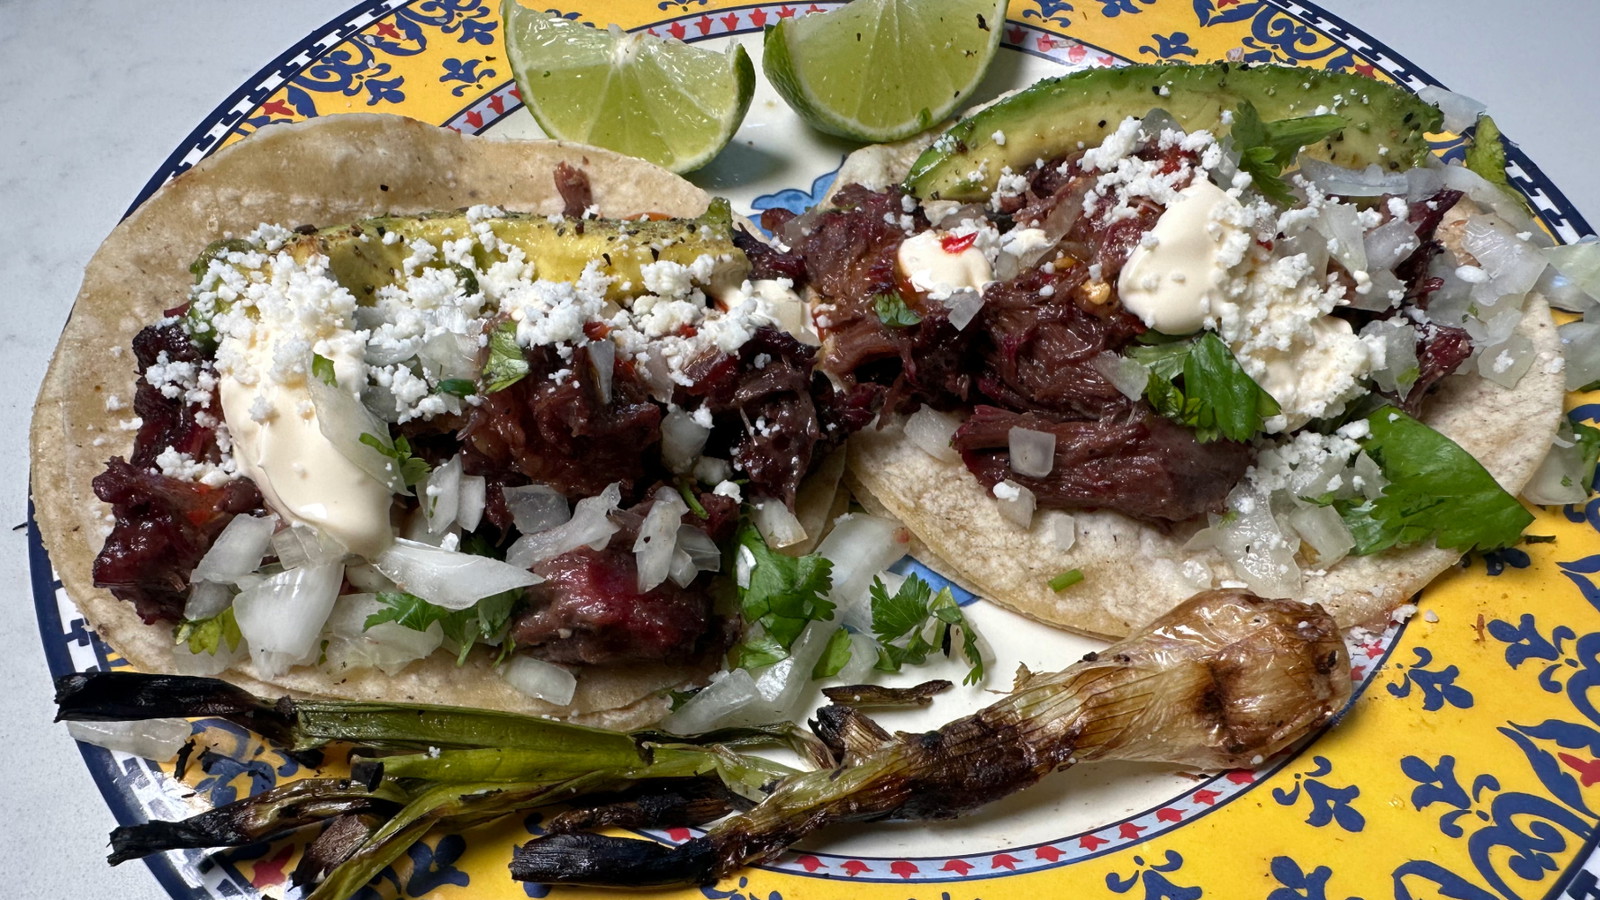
{"type": "Point", "coordinates": [1060, 115]}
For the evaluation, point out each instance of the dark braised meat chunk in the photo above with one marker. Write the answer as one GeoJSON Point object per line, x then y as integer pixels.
{"type": "Point", "coordinates": [589, 610]}
{"type": "Point", "coordinates": [1136, 463]}
{"type": "Point", "coordinates": [573, 185]}
{"type": "Point", "coordinates": [565, 433]}
{"type": "Point", "coordinates": [163, 527]}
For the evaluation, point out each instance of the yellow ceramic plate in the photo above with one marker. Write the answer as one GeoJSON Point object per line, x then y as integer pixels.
{"type": "Point", "coordinates": [1466, 768]}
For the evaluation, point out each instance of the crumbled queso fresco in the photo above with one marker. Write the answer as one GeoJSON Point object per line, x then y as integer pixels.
{"type": "Point", "coordinates": [272, 313]}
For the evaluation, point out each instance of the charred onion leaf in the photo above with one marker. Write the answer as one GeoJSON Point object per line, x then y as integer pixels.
{"type": "Point", "coordinates": [1223, 679]}
{"type": "Point", "coordinates": [881, 695]}
{"type": "Point", "coordinates": [1436, 490]}
{"type": "Point", "coordinates": [1265, 148]}
{"type": "Point", "coordinates": [1216, 397]}
{"type": "Point", "coordinates": [271, 812]}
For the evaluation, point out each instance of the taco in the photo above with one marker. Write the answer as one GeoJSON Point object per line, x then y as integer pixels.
{"type": "Point", "coordinates": [1159, 355]}
{"type": "Point", "coordinates": [506, 328]}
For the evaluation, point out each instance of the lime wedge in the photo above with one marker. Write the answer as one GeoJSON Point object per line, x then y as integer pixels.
{"type": "Point", "coordinates": [881, 70]}
{"type": "Point", "coordinates": [658, 99]}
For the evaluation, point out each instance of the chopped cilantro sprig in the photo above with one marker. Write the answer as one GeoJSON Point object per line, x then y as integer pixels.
{"type": "Point", "coordinates": [1436, 490]}
{"type": "Point", "coordinates": [783, 595]}
{"type": "Point", "coordinates": [487, 620]}
{"type": "Point", "coordinates": [506, 364]}
{"type": "Point", "coordinates": [914, 621]}
{"type": "Point", "coordinates": [1265, 148]}
{"type": "Point", "coordinates": [1216, 397]}
{"type": "Point", "coordinates": [413, 469]}
{"type": "Point", "coordinates": [893, 311]}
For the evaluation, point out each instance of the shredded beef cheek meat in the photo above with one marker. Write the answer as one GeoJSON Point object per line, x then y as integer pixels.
{"type": "Point", "coordinates": [589, 611]}
{"type": "Point", "coordinates": [1136, 463]}
{"type": "Point", "coordinates": [1040, 349]}
{"type": "Point", "coordinates": [572, 184]}
{"type": "Point", "coordinates": [163, 527]}
{"type": "Point", "coordinates": [564, 434]}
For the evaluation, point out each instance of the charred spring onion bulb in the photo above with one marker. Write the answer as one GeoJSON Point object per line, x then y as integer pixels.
{"type": "Point", "coordinates": [1222, 681]}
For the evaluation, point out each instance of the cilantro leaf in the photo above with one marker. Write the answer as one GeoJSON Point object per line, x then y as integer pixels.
{"type": "Point", "coordinates": [1587, 438]}
{"type": "Point", "coordinates": [834, 656]}
{"type": "Point", "coordinates": [784, 594]}
{"type": "Point", "coordinates": [893, 311]}
{"type": "Point", "coordinates": [322, 367]}
{"type": "Point", "coordinates": [1265, 148]}
{"type": "Point", "coordinates": [1217, 397]}
{"type": "Point", "coordinates": [1435, 490]}
{"type": "Point", "coordinates": [506, 364]}
{"type": "Point", "coordinates": [209, 635]}
{"type": "Point", "coordinates": [413, 469]}
{"type": "Point", "coordinates": [486, 620]}
{"type": "Point", "coordinates": [900, 622]}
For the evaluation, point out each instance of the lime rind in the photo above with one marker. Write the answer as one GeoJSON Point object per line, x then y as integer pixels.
{"type": "Point", "coordinates": [882, 70]}
{"type": "Point", "coordinates": [655, 98]}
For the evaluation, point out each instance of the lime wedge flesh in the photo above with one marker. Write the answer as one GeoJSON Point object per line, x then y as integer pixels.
{"type": "Point", "coordinates": [881, 70]}
{"type": "Point", "coordinates": [655, 98]}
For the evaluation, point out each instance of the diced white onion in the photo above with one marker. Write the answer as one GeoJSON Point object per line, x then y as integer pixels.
{"type": "Point", "coordinates": [590, 526]}
{"type": "Point", "coordinates": [540, 680]}
{"type": "Point", "coordinates": [238, 550]}
{"type": "Point", "coordinates": [206, 599]}
{"type": "Point", "coordinates": [1324, 530]}
{"type": "Point", "coordinates": [387, 646]}
{"type": "Point", "coordinates": [1575, 271]}
{"type": "Point", "coordinates": [205, 664]}
{"type": "Point", "coordinates": [448, 354]}
{"type": "Point", "coordinates": [1513, 265]}
{"type": "Point", "coordinates": [472, 496]}
{"type": "Point", "coordinates": [1506, 363]}
{"type": "Point", "coordinates": [282, 617]}
{"type": "Point", "coordinates": [1399, 369]}
{"type": "Point", "coordinates": [441, 496]}
{"type": "Point", "coordinates": [1370, 474]}
{"type": "Point", "coordinates": [778, 526]}
{"type": "Point", "coordinates": [781, 684]}
{"type": "Point", "coordinates": [658, 538]}
{"type": "Point", "coordinates": [302, 545]}
{"type": "Point", "coordinates": [682, 571]}
{"type": "Point", "coordinates": [712, 470]}
{"type": "Point", "coordinates": [701, 549]}
{"type": "Point", "coordinates": [1485, 193]}
{"type": "Point", "coordinates": [1460, 111]}
{"type": "Point", "coordinates": [1016, 503]}
{"type": "Point", "coordinates": [1066, 531]}
{"type": "Point", "coordinates": [155, 739]}
{"type": "Point", "coordinates": [447, 578]}
{"type": "Point", "coordinates": [1033, 453]}
{"type": "Point", "coordinates": [1372, 181]}
{"type": "Point", "coordinates": [1424, 182]}
{"type": "Point", "coordinates": [682, 439]}
{"type": "Point", "coordinates": [859, 546]}
{"type": "Point", "coordinates": [536, 507]}
{"type": "Point", "coordinates": [932, 432]}
{"type": "Point", "coordinates": [1338, 223]}
{"type": "Point", "coordinates": [343, 419]}
{"type": "Point", "coordinates": [603, 357]}
{"type": "Point", "coordinates": [1390, 243]}
{"type": "Point", "coordinates": [863, 657]}
{"type": "Point", "coordinates": [714, 703]}
{"type": "Point", "coordinates": [963, 305]}
{"type": "Point", "coordinates": [1254, 544]}
{"type": "Point", "coordinates": [1129, 376]}
{"type": "Point", "coordinates": [1580, 345]}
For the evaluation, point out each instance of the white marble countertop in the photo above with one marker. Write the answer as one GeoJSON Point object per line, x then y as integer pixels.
{"type": "Point", "coordinates": [94, 95]}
